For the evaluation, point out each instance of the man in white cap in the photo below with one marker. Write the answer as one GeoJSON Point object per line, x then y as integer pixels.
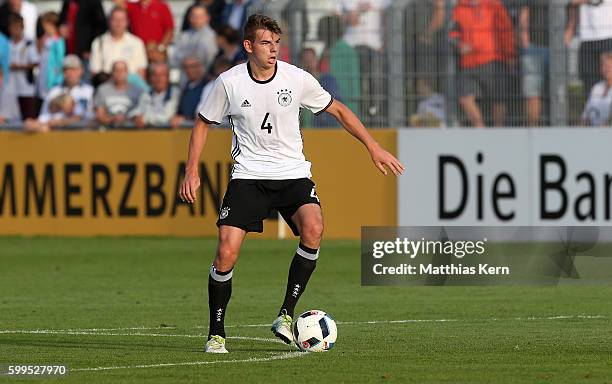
{"type": "Point", "coordinates": [72, 85]}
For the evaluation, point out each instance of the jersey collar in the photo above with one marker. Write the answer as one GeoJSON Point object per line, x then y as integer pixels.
{"type": "Point", "coordinates": [261, 81]}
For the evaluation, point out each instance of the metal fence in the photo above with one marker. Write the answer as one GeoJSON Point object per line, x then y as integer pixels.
{"type": "Point", "coordinates": [453, 63]}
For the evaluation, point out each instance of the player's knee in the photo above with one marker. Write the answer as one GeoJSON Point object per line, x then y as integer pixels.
{"type": "Point", "coordinates": [226, 257]}
{"type": "Point", "coordinates": [312, 232]}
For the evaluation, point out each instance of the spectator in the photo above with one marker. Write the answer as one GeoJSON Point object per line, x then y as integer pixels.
{"type": "Point", "coordinates": [81, 22]}
{"type": "Point", "coordinates": [430, 53]}
{"type": "Point", "coordinates": [23, 60]}
{"type": "Point", "coordinates": [230, 46]}
{"type": "Point", "coordinates": [483, 35]}
{"type": "Point", "coordinates": [199, 40]}
{"type": "Point", "coordinates": [364, 32]}
{"type": "Point", "coordinates": [595, 33]}
{"type": "Point", "coordinates": [215, 10]}
{"type": "Point", "coordinates": [235, 13]}
{"type": "Point", "coordinates": [62, 114]}
{"type": "Point", "coordinates": [26, 10]}
{"type": "Point", "coordinates": [82, 94]}
{"type": "Point", "coordinates": [117, 44]}
{"type": "Point", "coordinates": [52, 54]}
{"type": "Point", "coordinates": [343, 61]}
{"type": "Point", "coordinates": [116, 99]}
{"type": "Point", "coordinates": [5, 49]}
{"type": "Point", "coordinates": [157, 107]}
{"type": "Point", "coordinates": [152, 21]}
{"type": "Point", "coordinates": [9, 111]}
{"type": "Point", "coordinates": [219, 66]}
{"type": "Point", "coordinates": [533, 40]}
{"type": "Point", "coordinates": [599, 105]}
{"type": "Point", "coordinates": [310, 64]}
{"type": "Point", "coordinates": [190, 95]}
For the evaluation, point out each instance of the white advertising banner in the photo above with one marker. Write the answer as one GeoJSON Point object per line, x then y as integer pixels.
{"type": "Point", "coordinates": [560, 176]}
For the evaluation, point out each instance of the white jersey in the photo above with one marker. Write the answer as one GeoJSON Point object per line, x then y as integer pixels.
{"type": "Point", "coordinates": [264, 117]}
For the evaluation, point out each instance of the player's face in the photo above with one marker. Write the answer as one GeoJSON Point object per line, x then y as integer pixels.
{"type": "Point", "coordinates": [265, 48]}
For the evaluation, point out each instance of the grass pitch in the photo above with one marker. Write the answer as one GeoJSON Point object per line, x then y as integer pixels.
{"type": "Point", "coordinates": [135, 310]}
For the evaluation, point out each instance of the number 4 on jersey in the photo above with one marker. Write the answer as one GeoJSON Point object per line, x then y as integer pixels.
{"type": "Point", "coordinates": [264, 126]}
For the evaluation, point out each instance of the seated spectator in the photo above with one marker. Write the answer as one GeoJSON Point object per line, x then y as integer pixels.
{"type": "Point", "coordinates": [23, 59]}
{"type": "Point", "coordinates": [52, 55]}
{"type": "Point", "coordinates": [484, 38]}
{"type": "Point", "coordinates": [310, 64]}
{"type": "Point", "coordinates": [219, 66]}
{"type": "Point", "coordinates": [431, 109]}
{"type": "Point", "coordinates": [9, 113]}
{"type": "Point", "coordinates": [599, 105]}
{"type": "Point", "coordinates": [230, 45]}
{"type": "Point", "coordinates": [82, 94]}
{"type": "Point", "coordinates": [199, 40]}
{"type": "Point", "coordinates": [157, 107]}
{"type": "Point", "coordinates": [116, 99]}
{"type": "Point", "coordinates": [5, 49]}
{"type": "Point", "coordinates": [151, 21]}
{"type": "Point", "coordinates": [81, 22]}
{"type": "Point", "coordinates": [190, 95]}
{"type": "Point", "coordinates": [25, 9]}
{"type": "Point", "coordinates": [117, 45]}
{"type": "Point", "coordinates": [215, 10]}
{"type": "Point", "coordinates": [62, 114]}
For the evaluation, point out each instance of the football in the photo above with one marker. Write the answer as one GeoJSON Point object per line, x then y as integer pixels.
{"type": "Point", "coordinates": [315, 331]}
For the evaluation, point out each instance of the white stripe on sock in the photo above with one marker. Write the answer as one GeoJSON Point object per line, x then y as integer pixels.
{"type": "Point", "coordinates": [218, 277]}
{"type": "Point", "coordinates": [309, 256]}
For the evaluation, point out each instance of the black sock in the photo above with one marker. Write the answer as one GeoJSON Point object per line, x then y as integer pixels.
{"type": "Point", "coordinates": [219, 293]}
{"type": "Point", "coordinates": [303, 264]}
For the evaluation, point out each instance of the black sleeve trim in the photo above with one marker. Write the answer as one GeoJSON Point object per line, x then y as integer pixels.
{"type": "Point", "coordinates": [206, 120]}
{"type": "Point", "coordinates": [327, 106]}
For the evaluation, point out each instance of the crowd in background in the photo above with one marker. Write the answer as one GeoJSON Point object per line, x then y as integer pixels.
{"type": "Point", "coordinates": [82, 67]}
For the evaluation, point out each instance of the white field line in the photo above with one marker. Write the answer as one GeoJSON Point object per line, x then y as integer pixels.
{"type": "Point", "coordinates": [87, 331]}
{"type": "Point", "coordinates": [280, 356]}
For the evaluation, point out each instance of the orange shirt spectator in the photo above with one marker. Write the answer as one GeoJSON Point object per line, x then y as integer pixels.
{"type": "Point", "coordinates": [483, 30]}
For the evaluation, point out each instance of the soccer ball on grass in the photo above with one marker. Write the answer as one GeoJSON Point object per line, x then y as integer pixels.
{"type": "Point", "coordinates": [315, 331]}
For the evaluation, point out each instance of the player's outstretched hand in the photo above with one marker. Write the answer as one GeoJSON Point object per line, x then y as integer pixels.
{"type": "Point", "coordinates": [189, 187]}
{"type": "Point", "coordinates": [383, 160]}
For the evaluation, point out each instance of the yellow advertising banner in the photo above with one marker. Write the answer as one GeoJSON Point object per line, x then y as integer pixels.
{"type": "Point", "coordinates": [125, 183]}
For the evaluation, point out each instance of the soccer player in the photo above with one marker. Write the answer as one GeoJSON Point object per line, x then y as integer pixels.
{"type": "Point", "coordinates": [262, 99]}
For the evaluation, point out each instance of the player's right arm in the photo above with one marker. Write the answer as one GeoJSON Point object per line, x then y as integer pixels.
{"type": "Point", "coordinates": [191, 182]}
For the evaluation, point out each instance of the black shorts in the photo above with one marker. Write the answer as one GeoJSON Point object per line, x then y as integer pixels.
{"type": "Point", "coordinates": [248, 202]}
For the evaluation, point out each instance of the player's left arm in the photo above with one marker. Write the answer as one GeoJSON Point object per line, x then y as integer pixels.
{"type": "Point", "coordinates": [381, 158]}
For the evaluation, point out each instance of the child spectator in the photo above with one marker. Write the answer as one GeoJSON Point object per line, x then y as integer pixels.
{"type": "Point", "coordinates": [52, 55]}
{"type": "Point", "coordinates": [23, 59]}
{"type": "Point", "coordinates": [597, 111]}
{"type": "Point", "coordinates": [62, 109]}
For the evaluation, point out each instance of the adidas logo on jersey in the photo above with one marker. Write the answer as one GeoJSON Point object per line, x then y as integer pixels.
{"type": "Point", "coordinates": [245, 103]}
